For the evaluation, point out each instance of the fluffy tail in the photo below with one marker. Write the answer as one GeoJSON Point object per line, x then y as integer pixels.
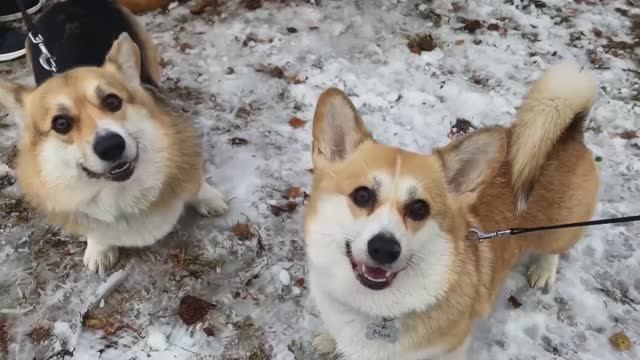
{"type": "Point", "coordinates": [557, 103]}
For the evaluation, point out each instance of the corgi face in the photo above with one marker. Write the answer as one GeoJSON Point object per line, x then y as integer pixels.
{"type": "Point", "coordinates": [90, 132]}
{"type": "Point", "coordinates": [384, 225]}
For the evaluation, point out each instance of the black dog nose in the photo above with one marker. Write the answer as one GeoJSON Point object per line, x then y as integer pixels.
{"type": "Point", "coordinates": [384, 248]}
{"type": "Point", "coordinates": [109, 146]}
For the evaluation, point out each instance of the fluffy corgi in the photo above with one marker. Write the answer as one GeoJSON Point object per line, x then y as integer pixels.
{"type": "Point", "coordinates": [391, 268]}
{"type": "Point", "coordinates": [100, 151]}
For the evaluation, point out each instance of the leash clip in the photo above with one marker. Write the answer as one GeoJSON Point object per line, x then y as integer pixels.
{"type": "Point", "coordinates": [47, 60]}
{"type": "Point", "coordinates": [482, 236]}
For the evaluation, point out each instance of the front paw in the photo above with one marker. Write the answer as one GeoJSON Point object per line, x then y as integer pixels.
{"type": "Point", "coordinates": [100, 258]}
{"type": "Point", "coordinates": [210, 201]}
{"type": "Point", "coordinates": [324, 343]}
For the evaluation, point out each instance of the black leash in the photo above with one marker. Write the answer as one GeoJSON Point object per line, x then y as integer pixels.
{"type": "Point", "coordinates": [47, 60]}
{"type": "Point", "coordinates": [480, 236]}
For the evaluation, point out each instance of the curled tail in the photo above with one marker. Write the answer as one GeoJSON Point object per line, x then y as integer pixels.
{"type": "Point", "coordinates": [557, 104]}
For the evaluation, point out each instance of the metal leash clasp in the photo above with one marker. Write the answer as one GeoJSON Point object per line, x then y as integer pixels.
{"type": "Point", "coordinates": [482, 236]}
{"type": "Point", "coordinates": [47, 60]}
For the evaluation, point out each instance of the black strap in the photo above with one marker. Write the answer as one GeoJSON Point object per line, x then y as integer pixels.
{"type": "Point", "coordinates": [47, 60]}
{"type": "Point", "coordinates": [31, 27]}
{"type": "Point", "coordinates": [516, 231]}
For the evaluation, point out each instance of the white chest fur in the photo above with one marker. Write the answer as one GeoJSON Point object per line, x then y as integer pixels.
{"type": "Point", "coordinates": [353, 334]}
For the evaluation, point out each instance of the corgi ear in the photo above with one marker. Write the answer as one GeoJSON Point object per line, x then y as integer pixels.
{"type": "Point", "coordinates": [470, 161]}
{"type": "Point", "coordinates": [337, 128]}
{"type": "Point", "coordinates": [125, 57]}
{"type": "Point", "coordinates": [12, 97]}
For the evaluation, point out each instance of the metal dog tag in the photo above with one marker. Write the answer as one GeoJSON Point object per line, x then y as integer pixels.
{"type": "Point", "coordinates": [384, 330]}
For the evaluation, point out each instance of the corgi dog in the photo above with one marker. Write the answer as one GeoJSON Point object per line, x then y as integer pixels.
{"type": "Point", "coordinates": [100, 151]}
{"type": "Point", "coordinates": [391, 267]}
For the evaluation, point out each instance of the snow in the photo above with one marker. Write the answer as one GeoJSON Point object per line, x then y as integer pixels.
{"type": "Point", "coordinates": [407, 100]}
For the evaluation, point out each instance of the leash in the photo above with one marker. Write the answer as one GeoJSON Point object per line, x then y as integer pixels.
{"type": "Point", "coordinates": [475, 234]}
{"type": "Point", "coordinates": [47, 60]}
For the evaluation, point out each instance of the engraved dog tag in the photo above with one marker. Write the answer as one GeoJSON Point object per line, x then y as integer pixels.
{"type": "Point", "coordinates": [384, 330]}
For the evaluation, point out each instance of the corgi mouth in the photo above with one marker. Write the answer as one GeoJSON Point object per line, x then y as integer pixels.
{"type": "Point", "coordinates": [373, 278]}
{"type": "Point", "coordinates": [121, 171]}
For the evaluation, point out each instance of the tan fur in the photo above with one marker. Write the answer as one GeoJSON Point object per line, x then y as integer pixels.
{"type": "Point", "coordinates": [144, 5]}
{"type": "Point", "coordinates": [473, 183]}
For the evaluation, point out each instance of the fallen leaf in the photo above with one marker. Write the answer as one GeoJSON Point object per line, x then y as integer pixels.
{"type": "Point", "coordinates": [185, 46]}
{"type": "Point", "coordinates": [288, 208]}
{"type": "Point", "coordinates": [4, 337]}
{"type": "Point", "coordinates": [242, 231]}
{"type": "Point", "coordinates": [202, 6]}
{"type": "Point", "coordinates": [295, 80]}
{"type": "Point", "coordinates": [597, 32]}
{"type": "Point", "coordinates": [292, 193]}
{"type": "Point", "coordinates": [461, 127]}
{"type": "Point", "coordinates": [419, 43]}
{"type": "Point", "coordinates": [472, 26]}
{"type": "Point", "coordinates": [628, 135]}
{"type": "Point", "coordinates": [237, 141]}
{"type": "Point", "coordinates": [41, 332]}
{"type": "Point", "coordinates": [100, 322]}
{"type": "Point", "coordinates": [620, 341]}
{"type": "Point", "coordinates": [253, 4]}
{"type": "Point", "coordinates": [273, 70]}
{"type": "Point", "coordinates": [514, 302]}
{"type": "Point", "coordinates": [192, 309]}
{"type": "Point", "coordinates": [493, 27]}
{"type": "Point", "coordinates": [296, 122]}
{"type": "Point", "coordinates": [459, 42]}
{"type": "Point", "coordinates": [209, 330]}
{"type": "Point", "coordinates": [300, 282]}
{"type": "Point", "coordinates": [292, 30]}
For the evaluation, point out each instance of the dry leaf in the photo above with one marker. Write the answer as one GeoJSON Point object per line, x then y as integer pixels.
{"type": "Point", "coordinates": [514, 302]}
{"type": "Point", "coordinates": [288, 208]}
{"type": "Point", "coordinates": [242, 231]}
{"type": "Point", "coordinates": [300, 282]}
{"type": "Point", "coordinates": [236, 141]}
{"type": "Point", "coordinates": [273, 70]}
{"type": "Point", "coordinates": [292, 193]}
{"type": "Point", "coordinates": [193, 309]}
{"type": "Point", "coordinates": [100, 322]}
{"type": "Point", "coordinates": [620, 341]}
{"type": "Point", "coordinates": [296, 122]}
{"type": "Point", "coordinates": [628, 135]}
{"type": "Point", "coordinates": [472, 26]}
{"type": "Point", "coordinates": [253, 4]}
{"type": "Point", "coordinates": [41, 332]}
{"type": "Point", "coordinates": [419, 43]}
{"type": "Point", "coordinates": [209, 330]}
{"type": "Point", "coordinates": [459, 42]}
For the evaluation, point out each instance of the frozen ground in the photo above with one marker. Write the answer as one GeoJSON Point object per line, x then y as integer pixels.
{"type": "Point", "coordinates": [242, 74]}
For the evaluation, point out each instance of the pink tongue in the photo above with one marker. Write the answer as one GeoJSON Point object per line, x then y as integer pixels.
{"type": "Point", "coordinates": [375, 273]}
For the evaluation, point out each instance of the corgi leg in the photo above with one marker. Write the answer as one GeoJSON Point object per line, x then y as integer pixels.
{"type": "Point", "coordinates": [99, 257]}
{"type": "Point", "coordinates": [324, 343]}
{"type": "Point", "coordinates": [542, 272]}
{"type": "Point", "coordinates": [209, 201]}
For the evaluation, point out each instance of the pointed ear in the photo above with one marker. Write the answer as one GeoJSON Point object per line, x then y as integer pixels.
{"type": "Point", "coordinates": [470, 161]}
{"type": "Point", "coordinates": [125, 57]}
{"type": "Point", "coordinates": [12, 97]}
{"type": "Point", "coordinates": [337, 128]}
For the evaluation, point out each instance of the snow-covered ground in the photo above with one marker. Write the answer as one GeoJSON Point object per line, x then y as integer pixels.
{"type": "Point", "coordinates": [242, 74]}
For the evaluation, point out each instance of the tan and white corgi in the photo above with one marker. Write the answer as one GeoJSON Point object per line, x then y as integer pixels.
{"type": "Point", "coordinates": [390, 268]}
{"type": "Point", "coordinates": [101, 153]}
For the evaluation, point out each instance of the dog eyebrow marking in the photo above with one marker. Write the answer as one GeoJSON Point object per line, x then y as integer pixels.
{"type": "Point", "coordinates": [100, 92]}
{"type": "Point", "coordinates": [62, 109]}
{"type": "Point", "coordinates": [412, 193]}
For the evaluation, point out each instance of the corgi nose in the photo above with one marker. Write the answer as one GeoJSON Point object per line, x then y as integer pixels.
{"type": "Point", "coordinates": [384, 248]}
{"type": "Point", "coordinates": [109, 146]}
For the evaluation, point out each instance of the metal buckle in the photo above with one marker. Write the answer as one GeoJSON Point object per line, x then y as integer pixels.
{"type": "Point", "coordinates": [46, 59]}
{"type": "Point", "coordinates": [482, 236]}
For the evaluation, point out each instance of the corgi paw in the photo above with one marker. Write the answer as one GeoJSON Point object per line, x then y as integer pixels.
{"type": "Point", "coordinates": [542, 273]}
{"type": "Point", "coordinates": [324, 343]}
{"type": "Point", "coordinates": [99, 258]}
{"type": "Point", "coordinates": [210, 201]}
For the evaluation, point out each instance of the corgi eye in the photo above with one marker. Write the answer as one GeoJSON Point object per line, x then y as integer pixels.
{"type": "Point", "coordinates": [417, 210]}
{"type": "Point", "coordinates": [62, 124]}
{"type": "Point", "coordinates": [112, 102]}
{"type": "Point", "coordinates": [363, 197]}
